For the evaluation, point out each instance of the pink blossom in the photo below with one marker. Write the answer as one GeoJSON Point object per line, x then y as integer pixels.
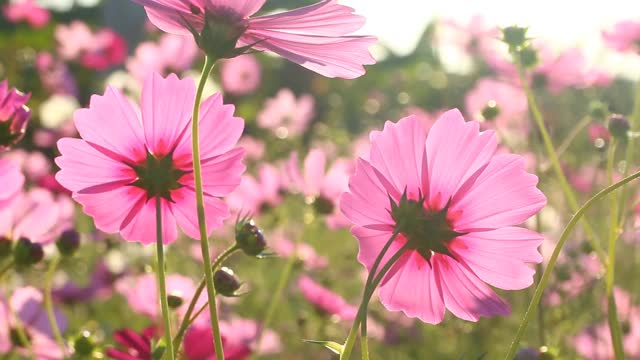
{"type": "Point", "coordinates": [28, 11]}
{"type": "Point", "coordinates": [326, 300]}
{"type": "Point", "coordinates": [73, 39]}
{"type": "Point", "coordinates": [426, 118]}
{"type": "Point", "coordinates": [598, 131]}
{"type": "Point", "coordinates": [502, 106]}
{"type": "Point", "coordinates": [624, 37]}
{"type": "Point", "coordinates": [471, 36]}
{"type": "Point", "coordinates": [110, 170]}
{"type": "Point", "coordinates": [109, 49]}
{"type": "Point", "coordinates": [321, 187]}
{"type": "Point", "coordinates": [255, 193]}
{"type": "Point", "coordinates": [255, 148]}
{"type": "Point", "coordinates": [317, 37]}
{"type": "Point", "coordinates": [452, 183]}
{"type": "Point", "coordinates": [55, 75]}
{"type": "Point", "coordinates": [14, 115]}
{"type": "Point", "coordinates": [37, 215]}
{"type": "Point", "coordinates": [285, 247]}
{"type": "Point", "coordinates": [12, 180]}
{"type": "Point", "coordinates": [172, 53]}
{"type": "Point", "coordinates": [135, 346]}
{"type": "Point", "coordinates": [286, 115]}
{"type": "Point", "coordinates": [142, 294]}
{"type": "Point", "coordinates": [26, 304]}
{"type": "Point", "coordinates": [239, 339]}
{"type": "Point", "coordinates": [241, 75]}
{"type": "Point", "coordinates": [558, 72]}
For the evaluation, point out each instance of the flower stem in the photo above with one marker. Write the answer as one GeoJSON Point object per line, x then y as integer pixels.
{"type": "Point", "coordinates": [162, 287]}
{"type": "Point", "coordinates": [361, 316]}
{"type": "Point", "coordinates": [48, 304]}
{"type": "Point", "coordinates": [6, 269]}
{"type": "Point", "coordinates": [612, 314]}
{"type": "Point", "coordinates": [204, 241]}
{"type": "Point", "coordinates": [189, 318]}
{"type": "Point", "coordinates": [630, 155]}
{"type": "Point", "coordinates": [554, 258]}
{"type": "Point", "coordinates": [555, 163]}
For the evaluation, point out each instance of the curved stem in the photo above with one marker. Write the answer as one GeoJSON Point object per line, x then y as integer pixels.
{"type": "Point", "coordinates": [188, 318]}
{"type": "Point", "coordinates": [48, 304]}
{"type": "Point", "coordinates": [612, 313]}
{"type": "Point", "coordinates": [554, 258]}
{"type": "Point", "coordinates": [362, 314]}
{"type": "Point", "coordinates": [555, 163]}
{"type": "Point", "coordinates": [630, 155]}
{"type": "Point", "coordinates": [202, 224]}
{"type": "Point", "coordinates": [162, 287]}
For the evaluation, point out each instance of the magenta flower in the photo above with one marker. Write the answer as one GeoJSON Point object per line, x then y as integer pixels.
{"type": "Point", "coordinates": [321, 187]}
{"type": "Point", "coordinates": [454, 202]}
{"type": "Point", "coordinates": [135, 346]}
{"type": "Point", "coordinates": [28, 11]}
{"type": "Point", "coordinates": [625, 36]}
{"type": "Point", "coordinates": [26, 304]}
{"type": "Point", "coordinates": [108, 49]}
{"type": "Point", "coordinates": [123, 162]}
{"type": "Point", "coordinates": [241, 75]}
{"type": "Point", "coordinates": [326, 300]}
{"type": "Point", "coordinates": [12, 180]}
{"type": "Point", "coordinates": [286, 115]}
{"type": "Point", "coordinates": [14, 115]}
{"type": "Point", "coordinates": [316, 37]}
{"type": "Point", "coordinates": [254, 194]}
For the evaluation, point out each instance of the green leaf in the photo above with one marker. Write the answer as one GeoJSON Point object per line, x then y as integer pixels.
{"type": "Point", "coordinates": [331, 345]}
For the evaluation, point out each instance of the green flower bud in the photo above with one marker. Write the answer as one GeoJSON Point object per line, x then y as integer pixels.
{"type": "Point", "coordinates": [619, 127]}
{"type": "Point", "coordinates": [83, 344]}
{"type": "Point", "coordinates": [514, 36]}
{"type": "Point", "coordinates": [249, 237]}
{"type": "Point", "coordinates": [27, 253]}
{"type": "Point", "coordinates": [68, 243]}
{"type": "Point", "coordinates": [598, 110]}
{"type": "Point", "coordinates": [226, 282]}
{"type": "Point", "coordinates": [175, 301]}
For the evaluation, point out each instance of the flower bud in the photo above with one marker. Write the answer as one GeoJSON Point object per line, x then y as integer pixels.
{"type": "Point", "coordinates": [5, 247]}
{"type": "Point", "coordinates": [619, 127]}
{"type": "Point", "coordinates": [27, 253]}
{"type": "Point", "coordinates": [226, 283]}
{"type": "Point", "coordinates": [598, 110]}
{"type": "Point", "coordinates": [68, 243]}
{"type": "Point", "coordinates": [249, 237]}
{"type": "Point", "coordinates": [220, 34]}
{"type": "Point", "coordinates": [83, 344]}
{"type": "Point", "coordinates": [514, 36]}
{"type": "Point", "coordinates": [175, 301]}
{"type": "Point", "coordinates": [14, 115]}
{"type": "Point", "coordinates": [490, 111]}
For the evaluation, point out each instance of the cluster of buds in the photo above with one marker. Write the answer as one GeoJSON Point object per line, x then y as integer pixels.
{"type": "Point", "coordinates": [520, 46]}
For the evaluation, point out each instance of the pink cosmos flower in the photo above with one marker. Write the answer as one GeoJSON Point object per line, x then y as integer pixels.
{"type": "Point", "coordinates": [239, 339]}
{"type": "Point", "coordinates": [108, 49]}
{"type": "Point", "coordinates": [321, 187]}
{"type": "Point", "coordinates": [255, 193]}
{"type": "Point", "coordinates": [574, 276]}
{"type": "Point", "coordinates": [326, 300]}
{"type": "Point", "coordinates": [73, 39]}
{"type": "Point", "coordinates": [26, 304]}
{"type": "Point", "coordinates": [285, 247]}
{"type": "Point", "coordinates": [471, 36]}
{"type": "Point", "coordinates": [241, 75]}
{"type": "Point", "coordinates": [286, 115]}
{"type": "Point", "coordinates": [454, 203]}
{"type": "Point", "coordinates": [255, 148]}
{"type": "Point", "coordinates": [598, 134]}
{"type": "Point", "coordinates": [12, 180]}
{"type": "Point", "coordinates": [124, 162]}
{"type": "Point", "coordinates": [625, 36]}
{"type": "Point", "coordinates": [135, 346]}
{"type": "Point", "coordinates": [316, 37]}
{"type": "Point", "coordinates": [14, 115]}
{"type": "Point", "coordinates": [502, 106]}
{"type": "Point", "coordinates": [142, 294]}
{"type": "Point", "coordinates": [28, 11]}
{"type": "Point", "coordinates": [172, 53]}
{"type": "Point", "coordinates": [37, 215]}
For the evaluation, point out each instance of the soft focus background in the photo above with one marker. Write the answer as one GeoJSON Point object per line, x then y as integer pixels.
{"type": "Point", "coordinates": [432, 56]}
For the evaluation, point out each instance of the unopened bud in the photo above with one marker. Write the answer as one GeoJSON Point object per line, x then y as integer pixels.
{"type": "Point", "coordinates": [27, 253]}
{"type": "Point", "coordinates": [68, 243]}
{"type": "Point", "coordinates": [514, 36]}
{"type": "Point", "coordinates": [175, 301]}
{"type": "Point", "coordinates": [598, 110]}
{"type": "Point", "coordinates": [83, 344]}
{"type": "Point", "coordinates": [249, 237]}
{"type": "Point", "coordinates": [619, 127]}
{"type": "Point", "coordinates": [226, 282]}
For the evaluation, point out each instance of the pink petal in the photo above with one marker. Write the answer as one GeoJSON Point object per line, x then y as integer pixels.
{"type": "Point", "coordinates": [111, 124]}
{"type": "Point", "coordinates": [241, 8]}
{"type": "Point", "coordinates": [172, 16]}
{"type": "Point", "coordinates": [371, 243]}
{"type": "Point", "coordinates": [314, 167]}
{"type": "Point", "coordinates": [110, 208]}
{"type": "Point", "coordinates": [503, 195]}
{"type": "Point", "coordinates": [414, 289]}
{"type": "Point", "coordinates": [85, 169]}
{"type": "Point", "coordinates": [184, 210]}
{"type": "Point", "coordinates": [140, 225]}
{"type": "Point", "coordinates": [455, 152]}
{"type": "Point", "coordinates": [363, 203]}
{"type": "Point", "coordinates": [500, 257]}
{"type": "Point", "coordinates": [219, 131]}
{"type": "Point", "coordinates": [399, 154]}
{"type": "Point", "coordinates": [167, 105]}
{"type": "Point", "coordinates": [221, 174]}
{"type": "Point", "coordinates": [465, 295]}
{"type": "Point", "coordinates": [12, 181]}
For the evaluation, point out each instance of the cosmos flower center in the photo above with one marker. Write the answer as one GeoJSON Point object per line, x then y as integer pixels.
{"type": "Point", "coordinates": [427, 231]}
{"type": "Point", "coordinates": [490, 111]}
{"type": "Point", "coordinates": [158, 176]}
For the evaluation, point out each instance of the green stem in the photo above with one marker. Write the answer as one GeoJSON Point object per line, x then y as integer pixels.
{"type": "Point", "coordinates": [630, 155]}
{"type": "Point", "coordinates": [6, 269]}
{"type": "Point", "coordinates": [555, 163]}
{"type": "Point", "coordinates": [188, 318]}
{"type": "Point", "coordinates": [572, 136]}
{"type": "Point", "coordinates": [539, 271]}
{"type": "Point", "coordinates": [361, 316]}
{"type": "Point", "coordinates": [612, 314]}
{"type": "Point", "coordinates": [162, 287]}
{"type": "Point", "coordinates": [554, 258]}
{"type": "Point", "coordinates": [48, 304]}
{"type": "Point", "coordinates": [204, 241]}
